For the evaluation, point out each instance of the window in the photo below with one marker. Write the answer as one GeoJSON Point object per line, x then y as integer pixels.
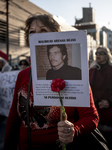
{"type": "Point", "coordinates": [110, 42]}
{"type": "Point", "coordinates": [22, 37]}
{"type": "Point", "coordinates": [109, 35]}
{"type": "Point", "coordinates": [2, 31]}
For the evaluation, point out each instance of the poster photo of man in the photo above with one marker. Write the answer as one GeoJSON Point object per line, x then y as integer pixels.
{"type": "Point", "coordinates": [58, 61]}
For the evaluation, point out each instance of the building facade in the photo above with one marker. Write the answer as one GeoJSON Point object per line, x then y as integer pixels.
{"type": "Point", "coordinates": [109, 37]}
{"type": "Point", "coordinates": [87, 23]}
{"type": "Point", "coordinates": [18, 12]}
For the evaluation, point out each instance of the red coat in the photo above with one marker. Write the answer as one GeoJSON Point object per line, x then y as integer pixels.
{"type": "Point", "coordinates": [41, 135]}
{"type": "Point", "coordinates": [101, 84]}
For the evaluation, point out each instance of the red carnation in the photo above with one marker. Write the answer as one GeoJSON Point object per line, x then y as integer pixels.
{"type": "Point", "coordinates": [57, 85]}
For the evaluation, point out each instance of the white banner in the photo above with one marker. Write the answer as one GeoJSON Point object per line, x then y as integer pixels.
{"type": "Point", "coordinates": [7, 86]}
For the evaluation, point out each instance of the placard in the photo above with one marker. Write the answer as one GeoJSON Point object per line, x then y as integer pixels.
{"type": "Point", "coordinates": [7, 86]}
{"type": "Point", "coordinates": [60, 55]}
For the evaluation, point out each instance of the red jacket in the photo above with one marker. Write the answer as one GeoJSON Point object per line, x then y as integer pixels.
{"type": "Point", "coordinates": [42, 133]}
{"type": "Point", "coordinates": [101, 84]}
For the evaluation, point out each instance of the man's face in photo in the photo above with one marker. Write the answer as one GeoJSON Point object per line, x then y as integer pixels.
{"type": "Point", "coordinates": [56, 58]}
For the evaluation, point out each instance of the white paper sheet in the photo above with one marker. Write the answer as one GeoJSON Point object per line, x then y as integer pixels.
{"type": "Point", "coordinates": [76, 92]}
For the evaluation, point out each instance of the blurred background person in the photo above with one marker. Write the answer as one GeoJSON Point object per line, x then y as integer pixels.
{"type": "Point", "coordinates": [23, 64]}
{"type": "Point", "coordinates": [100, 74]}
{"type": "Point", "coordinates": [4, 65]}
{"type": "Point", "coordinates": [15, 67]}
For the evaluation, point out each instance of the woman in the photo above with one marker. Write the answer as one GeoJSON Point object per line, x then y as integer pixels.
{"type": "Point", "coordinates": [101, 83]}
{"type": "Point", "coordinates": [46, 127]}
{"type": "Point", "coordinates": [23, 64]}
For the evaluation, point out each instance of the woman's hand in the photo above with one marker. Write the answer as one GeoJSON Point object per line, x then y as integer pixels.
{"type": "Point", "coordinates": [66, 131]}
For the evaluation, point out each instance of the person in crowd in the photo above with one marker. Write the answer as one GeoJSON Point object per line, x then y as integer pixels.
{"type": "Point", "coordinates": [100, 75]}
{"type": "Point", "coordinates": [45, 125]}
{"type": "Point", "coordinates": [15, 67]}
{"type": "Point", "coordinates": [58, 58]}
{"type": "Point", "coordinates": [23, 64]}
{"type": "Point", "coordinates": [4, 65]}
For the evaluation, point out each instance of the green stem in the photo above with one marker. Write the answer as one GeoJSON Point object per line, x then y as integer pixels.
{"type": "Point", "coordinates": [62, 108]}
{"type": "Point", "coordinates": [60, 98]}
{"type": "Point", "coordinates": [63, 116]}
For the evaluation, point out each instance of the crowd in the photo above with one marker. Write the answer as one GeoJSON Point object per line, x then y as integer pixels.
{"type": "Point", "coordinates": [6, 67]}
{"type": "Point", "coordinates": [43, 127]}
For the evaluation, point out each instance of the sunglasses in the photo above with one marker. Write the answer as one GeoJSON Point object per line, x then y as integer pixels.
{"type": "Point", "coordinates": [100, 53]}
{"type": "Point", "coordinates": [23, 64]}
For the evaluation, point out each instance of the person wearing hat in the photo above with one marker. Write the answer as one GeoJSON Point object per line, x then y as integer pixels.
{"type": "Point", "coordinates": [4, 67]}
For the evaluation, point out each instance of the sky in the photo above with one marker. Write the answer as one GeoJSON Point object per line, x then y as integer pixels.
{"type": "Point", "coordinates": [69, 9]}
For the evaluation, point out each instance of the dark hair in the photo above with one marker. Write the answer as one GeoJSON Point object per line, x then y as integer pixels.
{"type": "Point", "coordinates": [24, 61]}
{"type": "Point", "coordinates": [47, 20]}
{"type": "Point", "coordinates": [63, 50]}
